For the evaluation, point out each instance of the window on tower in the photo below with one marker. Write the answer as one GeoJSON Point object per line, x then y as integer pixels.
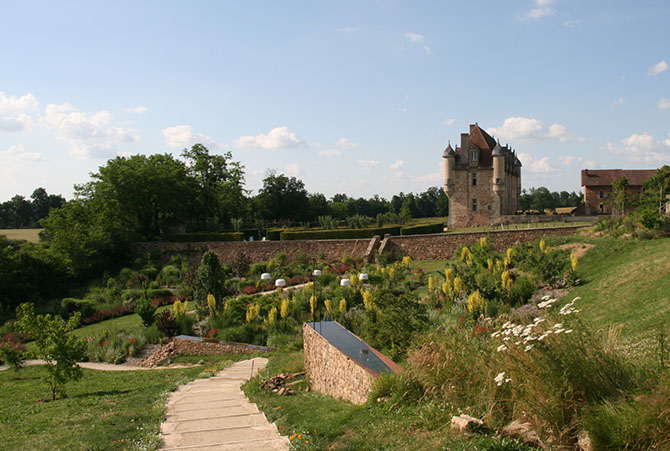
{"type": "Point", "coordinates": [474, 204]}
{"type": "Point", "coordinates": [474, 179]}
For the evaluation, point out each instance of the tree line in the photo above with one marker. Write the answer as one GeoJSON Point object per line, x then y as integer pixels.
{"type": "Point", "coordinates": [135, 198]}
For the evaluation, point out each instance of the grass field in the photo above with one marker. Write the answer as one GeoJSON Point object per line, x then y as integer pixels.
{"type": "Point", "coordinates": [105, 410]}
{"type": "Point", "coordinates": [22, 234]}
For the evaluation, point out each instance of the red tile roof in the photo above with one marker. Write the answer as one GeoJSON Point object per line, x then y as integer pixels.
{"type": "Point", "coordinates": [606, 177]}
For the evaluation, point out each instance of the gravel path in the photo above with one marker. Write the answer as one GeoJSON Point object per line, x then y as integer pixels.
{"type": "Point", "coordinates": [214, 414]}
{"type": "Point", "coordinates": [104, 366]}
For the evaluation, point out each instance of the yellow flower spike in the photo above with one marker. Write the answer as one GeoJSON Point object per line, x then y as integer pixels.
{"type": "Point", "coordinates": [543, 245]}
{"type": "Point", "coordinates": [574, 261]}
{"type": "Point", "coordinates": [367, 300]}
{"type": "Point", "coordinates": [328, 304]}
{"type": "Point", "coordinates": [458, 286]}
{"type": "Point", "coordinates": [353, 279]}
{"type": "Point", "coordinates": [483, 241]}
{"type": "Point", "coordinates": [312, 303]}
{"type": "Point", "coordinates": [272, 316]}
{"type": "Point", "coordinates": [211, 303]}
{"type": "Point", "coordinates": [489, 264]}
{"type": "Point", "coordinates": [343, 306]}
{"type": "Point", "coordinates": [283, 310]}
{"type": "Point", "coordinates": [509, 253]}
{"type": "Point", "coordinates": [476, 303]}
{"type": "Point", "coordinates": [449, 275]}
{"type": "Point", "coordinates": [431, 284]}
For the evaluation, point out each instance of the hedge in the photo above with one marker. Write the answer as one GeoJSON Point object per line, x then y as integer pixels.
{"type": "Point", "coordinates": [422, 229]}
{"type": "Point", "coordinates": [339, 234]}
{"type": "Point", "coordinates": [205, 236]}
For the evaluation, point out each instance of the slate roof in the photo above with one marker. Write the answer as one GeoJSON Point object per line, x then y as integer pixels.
{"type": "Point", "coordinates": [606, 177]}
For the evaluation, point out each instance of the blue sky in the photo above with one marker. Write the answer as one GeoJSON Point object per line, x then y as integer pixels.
{"type": "Point", "coordinates": [355, 97]}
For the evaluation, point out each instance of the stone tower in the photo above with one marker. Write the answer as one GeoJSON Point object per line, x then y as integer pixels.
{"type": "Point", "coordinates": [482, 180]}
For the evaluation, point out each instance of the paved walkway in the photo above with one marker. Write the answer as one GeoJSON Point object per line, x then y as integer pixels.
{"type": "Point", "coordinates": [214, 414]}
{"type": "Point", "coordinates": [102, 366]}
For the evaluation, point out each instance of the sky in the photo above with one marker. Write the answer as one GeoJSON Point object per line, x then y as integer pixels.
{"type": "Point", "coordinates": [355, 97]}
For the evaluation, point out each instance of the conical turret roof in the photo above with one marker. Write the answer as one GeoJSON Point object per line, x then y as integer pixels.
{"type": "Point", "coordinates": [449, 151]}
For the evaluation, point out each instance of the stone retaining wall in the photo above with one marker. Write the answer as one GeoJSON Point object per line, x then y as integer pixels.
{"type": "Point", "coordinates": [419, 247]}
{"type": "Point", "coordinates": [331, 372]}
{"type": "Point", "coordinates": [257, 251]}
{"type": "Point", "coordinates": [444, 246]}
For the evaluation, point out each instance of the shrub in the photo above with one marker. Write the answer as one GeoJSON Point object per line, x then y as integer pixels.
{"type": "Point", "coordinates": [257, 269]}
{"type": "Point", "coordinates": [114, 347]}
{"type": "Point", "coordinates": [86, 307]}
{"type": "Point", "coordinates": [203, 237]}
{"type": "Point", "coordinates": [146, 310]}
{"type": "Point", "coordinates": [339, 233]}
{"type": "Point", "coordinates": [522, 290]}
{"type": "Point", "coordinates": [252, 333]}
{"type": "Point", "coordinates": [54, 344]}
{"type": "Point", "coordinates": [170, 275]}
{"type": "Point", "coordinates": [421, 229]}
{"type": "Point", "coordinates": [12, 350]}
{"type": "Point", "coordinates": [166, 324]}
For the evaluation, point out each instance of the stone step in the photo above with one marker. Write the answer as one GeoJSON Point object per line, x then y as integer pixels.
{"type": "Point", "coordinates": [222, 422]}
{"type": "Point", "coordinates": [194, 414]}
{"type": "Point", "coordinates": [204, 389]}
{"type": "Point", "coordinates": [223, 436]}
{"type": "Point", "coordinates": [278, 444]}
{"type": "Point", "coordinates": [181, 405]}
{"type": "Point", "coordinates": [206, 397]}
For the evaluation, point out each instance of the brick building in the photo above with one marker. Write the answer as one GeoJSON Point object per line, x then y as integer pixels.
{"type": "Point", "coordinates": [597, 185]}
{"type": "Point", "coordinates": [481, 178]}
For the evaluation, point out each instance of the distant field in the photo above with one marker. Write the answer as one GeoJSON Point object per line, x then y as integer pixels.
{"type": "Point", "coordinates": [22, 234]}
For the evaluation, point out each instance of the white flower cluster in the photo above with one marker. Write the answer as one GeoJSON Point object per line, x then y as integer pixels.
{"type": "Point", "coordinates": [546, 302]}
{"type": "Point", "coordinates": [568, 308]}
{"type": "Point", "coordinates": [501, 379]}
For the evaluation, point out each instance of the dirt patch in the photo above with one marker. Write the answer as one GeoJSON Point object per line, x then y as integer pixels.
{"type": "Point", "coordinates": [580, 249]}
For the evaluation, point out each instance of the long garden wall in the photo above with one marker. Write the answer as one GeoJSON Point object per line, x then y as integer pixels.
{"type": "Point", "coordinates": [419, 247]}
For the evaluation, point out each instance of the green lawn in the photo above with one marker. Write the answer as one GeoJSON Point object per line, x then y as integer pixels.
{"type": "Point", "coordinates": [22, 234]}
{"type": "Point", "coordinates": [627, 282]}
{"type": "Point", "coordinates": [105, 410]}
{"type": "Point", "coordinates": [121, 323]}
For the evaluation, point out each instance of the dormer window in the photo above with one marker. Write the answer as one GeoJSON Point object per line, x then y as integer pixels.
{"type": "Point", "coordinates": [474, 154]}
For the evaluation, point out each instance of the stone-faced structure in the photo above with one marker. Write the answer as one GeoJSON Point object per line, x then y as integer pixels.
{"type": "Point", "coordinates": [598, 188]}
{"type": "Point", "coordinates": [481, 178]}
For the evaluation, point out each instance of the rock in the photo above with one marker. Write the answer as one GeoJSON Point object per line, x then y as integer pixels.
{"type": "Point", "coordinates": [466, 424]}
{"type": "Point", "coordinates": [584, 441]}
{"type": "Point", "coordinates": [523, 432]}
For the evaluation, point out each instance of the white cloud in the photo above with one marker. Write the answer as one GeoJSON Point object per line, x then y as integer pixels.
{"type": "Point", "coordinates": [449, 122]}
{"type": "Point", "coordinates": [293, 169]}
{"type": "Point", "coordinates": [571, 23]}
{"type": "Point", "coordinates": [88, 135]}
{"type": "Point", "coordinates": [428, 50]}
{"type": "Point", "coordinates": [344, 143]}
{"type": "Point", "coordinates": [658, 68]}
{"type": "Point", "coordinates": [541, 9]}
{"type": "Point", "coordinates": [397, 164]}
{"type": "Point", "coordinates": [523, 129]}
{"type": "Point", "coordinates": [367, 164]}
{"type": "Point", "coordinates": [183, 136]}
{"type": "Point", "coordinates": [13, 111]}
{"type": "Point", "coordinates": [277, 138]}
{"type": "Point", "coordinates": [348, 29]}
{"type": "Point", "coordinates": [137, 110]}
{"type": "Point", "coordinates": [414, 38]}
{"type": "Point", "coordinates": [18, 153]}
{"type": "Point", "coordinates": [531, 164]}
{"type": "Point", "coordinates": [329, 153]}
{"type": "Point", "coordinates": [664, 104]}
{"type": "Point", "coordinates": [569, 159]}
{"type": "Point", "coordinates": [619, 101]}
{"type": "Point", "coordinates": [641, 148]}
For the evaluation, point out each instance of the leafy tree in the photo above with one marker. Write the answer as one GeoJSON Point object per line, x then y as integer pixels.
{"type": "Point", "coordinates": [619, 195]}
{"type": "Point", "coordinates": [54, 344]}
{"type": "Point", "coordinates": [656, 189]}
{"type": "Point", "coordinates": [283, 197]}
{"type": "Point", "coordinates": [219, 185]}
{"type": "Point", "coordinates": [209, 279]}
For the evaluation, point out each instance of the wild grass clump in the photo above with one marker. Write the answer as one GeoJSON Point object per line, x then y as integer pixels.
{"type": "Point", "coordinates": [550, 371]}
{"type": "Point", "coordinates": [115, 346]}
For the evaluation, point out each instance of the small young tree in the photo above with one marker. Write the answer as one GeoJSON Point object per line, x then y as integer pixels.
{"type": "Point", "coordinates": [620, 197]}
{"type": "Point", "coordinates": [209, 279]}
{"type": "Point", "coordinates": [54, 344]}
{"type": "Point", "coordinates": [146, 310]}
{"type": "Point", "coordinates": [12, 351]}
